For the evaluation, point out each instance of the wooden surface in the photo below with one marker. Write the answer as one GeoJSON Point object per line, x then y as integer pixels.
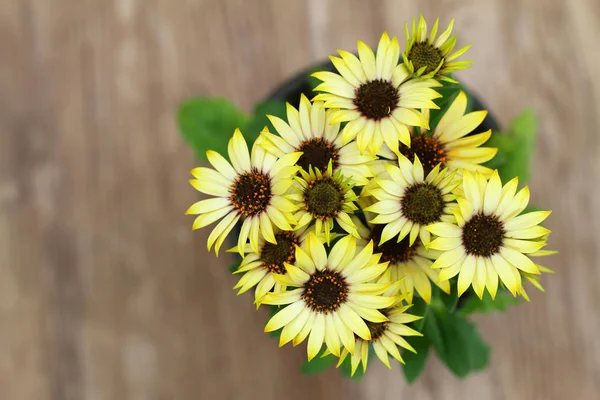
{"type": "Point", "coordinates": [106, 293]}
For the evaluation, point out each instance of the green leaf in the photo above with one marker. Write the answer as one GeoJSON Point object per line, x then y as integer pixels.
{"type": "Point", "coordinates": [234, 267]}
{"type": "Point", "coordinates": [260, 120]}
{"type": "Point", "coordinates": [208, 123]}
{"type": "Point", "coordinates": [458, 343]}
{"type": "Point", "coordinates": [449, 91]}
{"type": "Point", "coordinates": [502, 301]}
{"type": "Point", "coordinates": [318, 364]}
{"type": "Point", "coordinates": [415, 363]}
{"type": "Point", "coordinates": [346, 368]}
{"type": "Point", "coordinates": [515, 148]}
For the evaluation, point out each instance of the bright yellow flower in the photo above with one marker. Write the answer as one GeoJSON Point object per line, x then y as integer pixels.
{"type": "Point", "coordinates": [449, 143]}
{"type": "Point", "coordinates": [410, 265]}
{"type": "Point", "coordinates": [490, 240]}
{"type": "Point", "coordinates": [332, 299]}
{"type": "Point", "coordinates": [258, 268]}
{"type": "Point", "coordinates": [376, 96]}
{"type": "Point", "coordinates": [386, 336]}
{"type": "Point", "coordinates": [324, 198]}
{"type": "Point", "coordinates": [408, 201]}
{"type": "Point", "coordinates": [428, 57]}
{"type": "Point", "coordinates": [310, 131]}
{"type": "Point", "coordinates": [251, 188]}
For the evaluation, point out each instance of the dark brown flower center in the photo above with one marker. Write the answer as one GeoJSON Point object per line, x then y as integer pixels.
{"type": "Point", "coordinates": [317, 152]}
{"type": "Point", "coordinates": [274, 255]}
{"type": "Point", "coordinates": [392, 250]}
{"type": "Point", "coordinates": [324, 198]}
{"type": "Point", "coordinates": [325, 291]}
{"type": "Point", "coordinates": [376, 99]}
{"type": "Point", "coordinates": [482, 235]}
{"type": "Point", "coordinates": [251, 192]}
{"type": "Point", "coordinates": [429, 150]}
{"type": "Point", "coordinates": [426, 55]}
{"type": "Point", "coordinates": [422, 203]}
{"type": "Point", "coordinates": [377, 329]}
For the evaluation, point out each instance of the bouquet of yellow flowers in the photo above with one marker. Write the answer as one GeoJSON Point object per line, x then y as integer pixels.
{"type": "Point", "coordinates": [376, 210]}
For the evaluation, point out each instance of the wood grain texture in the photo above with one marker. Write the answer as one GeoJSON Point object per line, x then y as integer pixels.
{"type": "Point", "coordinates": [105, 293]}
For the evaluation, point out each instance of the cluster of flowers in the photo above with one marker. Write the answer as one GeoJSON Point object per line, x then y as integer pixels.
{"type": "Point", "coordinates": [355, 205]}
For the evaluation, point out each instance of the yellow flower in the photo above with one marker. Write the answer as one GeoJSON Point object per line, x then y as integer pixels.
{"type": "Point", "coordinates": [408, 201]}
{"type": "Point", "coordinates": [376, 96]}
{"type": "Point", "coordinates": [410, 265]}
{"type": "Point", "coordinates": [428, 57]}
{"type": "Point", "coordinates": [324, 198]}
{"type": "Point", "coordinates": [258, 268]}
{"type": "Point", "coordinates": [332, 299]}
{"type": "Point", "coordinates": [489, 239]}
{"type": "Point", "coordinates": [450, 145]}
{"type": "Point", "coordinates": [386, 336]}
{"type": "Point", "coordinates": [310, 131]}
{"type": "Point", "coordinates": [251, 187]}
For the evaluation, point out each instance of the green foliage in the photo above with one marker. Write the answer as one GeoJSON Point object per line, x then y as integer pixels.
{"type": "Point", "coordinates": [456, 341]}
{"type": "Point", "coordinates": [208, 123]}
{"type": "Point", "coordinates": [449, 91]}
{"type": "Point", "coordinates": [346, 367]}
{"type": "Point", "coordinates": [260, 120]}
{"type": "Point", "coordinates": [501, 302]}
{"type": "Point", "coordinates": [415, 363]}
{"type": "Point", "coordinates": [515, 148]}
{"type": "Point", "coordinates": [318, 364]}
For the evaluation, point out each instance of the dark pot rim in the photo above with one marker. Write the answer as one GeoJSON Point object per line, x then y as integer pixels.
{"type": "Point", "coordinates": [290, 91]}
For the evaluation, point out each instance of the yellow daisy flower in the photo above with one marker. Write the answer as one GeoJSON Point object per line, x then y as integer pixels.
{"type": "Point", "coordinates": [428, 57]}
{"type": "Point", "coordinates": [386, 336]}
{"type": "Point", "coordinates": [376, 96]}
{"type": "Point", "coordinates": [408, 200]}
{"type": "Point", "coordinates": [311, 132]}
{"type": "Point", "coordinates": [324, 198]}
{"type": "Point", "coordinates": [332, 299]}
{"type": "Point", "coordinates": [449, 143]}
{"type": "Point", "coordinates": [258, 268]}
{"type": "Point", "coordinates": [251, 187]}
{"type": "Point", "coordinates": [408, 264]}
{"type": "Point", "coordinates": [489, 239]}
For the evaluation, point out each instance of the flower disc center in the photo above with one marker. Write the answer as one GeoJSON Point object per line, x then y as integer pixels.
{"type": "Point", "coordinates": [482, 235]}
{"type": "Point", "coordinates": [377, 329]}
{"type": "Point", "coordinates": [324, 198]}
{"type": "Point", "coordinates": [426, 55]}
{"type": "Point", "coordinates": [392, 250]}
{"type": "Point", "coordinates": [376, 99]}
{"type": "Point", "coordinates": [317, 152]}
{"type": "Point", "coordinates": [251, 192]}
{"type": "Point", "coordinates": [274, 255]}
{"type": "Point", "coordinates": [422, 203]}
{"type": "Point", "coordinates": [325, 291]}
{"type": "Point", "coordinates": [429, 150]}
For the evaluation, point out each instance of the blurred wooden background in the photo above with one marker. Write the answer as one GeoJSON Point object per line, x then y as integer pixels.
{"type": "Point", "coordinates": [106, 293]}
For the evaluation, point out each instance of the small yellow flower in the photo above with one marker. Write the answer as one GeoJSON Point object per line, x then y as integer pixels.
{"type": "Point", "coordinates": [386, 336]}
{"type": "Point", "coordinates": [251, 188]}
{"type": "Point", "coordinates": [332, 299]}
{"type": "Point", "coordinates": [449, 143]}
{"type": "Point", "coordinates": [427, 57]}
{"type": "Point", "coordinates": [310, 131]}
{"type": "Point", "coordinates": [409, 201]}
{"type": "Point", "coordinates": [490, 241]}
{"type": "Point", "coordinates": [324, 198]}
{"type": "Point", "coordinates": [376, 96]}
